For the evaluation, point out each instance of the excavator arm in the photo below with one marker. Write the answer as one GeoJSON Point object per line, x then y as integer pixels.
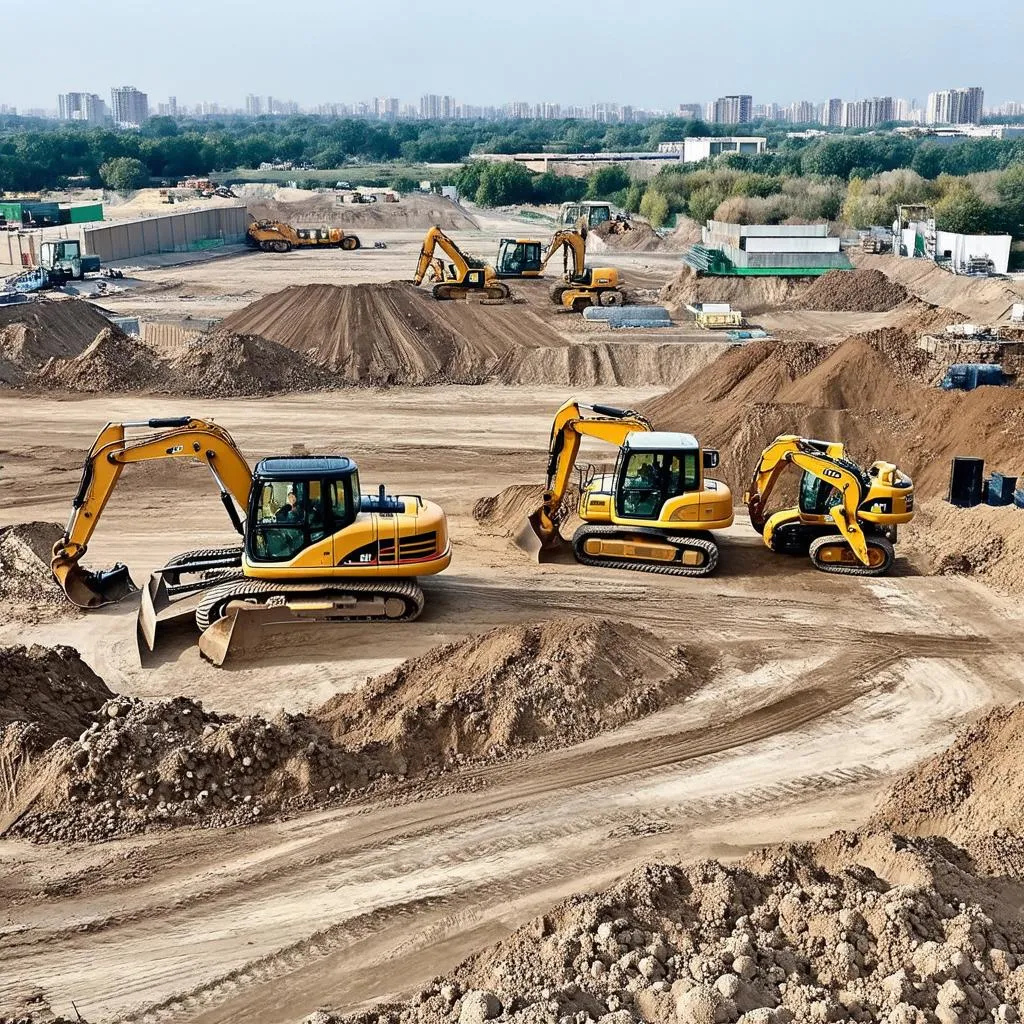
{"type": "Point", "coordinates": [825, 460]}
{"type": "Point", "coordinates": [573, 245]}
{"type": "Point", "coordinates": [569, 428]}
{"type": "Point", "coordinates": [182, 437]}
{"type": "Point", "coordinates": [437, 239]}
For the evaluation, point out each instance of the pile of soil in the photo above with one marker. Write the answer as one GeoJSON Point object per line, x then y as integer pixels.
{"type": "Point", "coordinates": [640, 237]}
{"type": "Point", "coordinates": [26, 583]}
{"type": "Point", "coordinates": [854, 291]}
{"type": "Point", "coordinates": [112, 362]}
{"type": "Point", "coordinates": [777, 938]}
{"type": "Point", "coordinates": [985, 542]}
{"type": "Point", "coordinates": [969, 793]}
{"type": "Point", "coordinates": [227, 364]}
{"type": "Point", "coordinates": [506, 512]}
{"type": "Point", "coordinates": [33, 332]}
{"type": "Point", "coordinates": [136, 764]}
{"type": "Point", "coordinates": [749, 294]}
{"type": "Point", "coordinates": [551, 684]}
{"type": "Point", "coordinates": [302, 208]}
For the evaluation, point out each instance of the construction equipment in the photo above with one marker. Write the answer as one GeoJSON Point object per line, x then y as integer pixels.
{"type": "Point", "coordinates": [461, 276]}
{"type": "Point", "coordinates": [592, 214]}
{"type": "Point", "coordinates": [65, 261]}
{"type": "Point", "coordinates": [846, 518]}
{"type": "Point", "coordinates": [314, 547]}
{"type": "Point", "coordinates": [275, 236]}
{"type": "Point", "coordinates": [653, 513]}
{"type": "Point", "coordinates": [581, 286]}
{"type": "Point", "coordinates": [715, 316]}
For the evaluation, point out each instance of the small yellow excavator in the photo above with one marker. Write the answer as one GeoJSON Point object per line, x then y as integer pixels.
{"type": "Point", "coordinates": [846, 517]}
{"type": "Point", "coordinates": [314, 547]}
{"type": "Point", "coordinates": [461, 276]}
{"type": "Point", "coordinates": [581, 286]}
{"type": "Point", "coordinates": [654, 513]}
{"type": "Point", "coordinates": [276, 236]}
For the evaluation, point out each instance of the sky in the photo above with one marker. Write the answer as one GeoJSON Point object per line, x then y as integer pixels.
{"type": "Point", "coordinates": [646, 53]}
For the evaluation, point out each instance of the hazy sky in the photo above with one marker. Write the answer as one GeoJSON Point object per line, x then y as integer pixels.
{"type": "Point", "coordinates": [648, 53]}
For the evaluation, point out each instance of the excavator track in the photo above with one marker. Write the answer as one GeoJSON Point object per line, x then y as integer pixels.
{"type": "Point", "coordinates": [389, 600]}
{"type": "Point", "coordinates": [211, 565]}
{"type": "Point", "coordinates": [833, 554]}
{"type": "Point", "coordinates": [673, 546]}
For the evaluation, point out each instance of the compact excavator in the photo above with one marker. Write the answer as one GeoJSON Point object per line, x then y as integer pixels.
{"type": "Point", "coordinates": [653, 513]}
{"type": "Point", "coordinates": [846, 518]}
{"type": "Point", "coordinates": [461, 276]}
{"type": "Point", "coordinates": [276, 236]}
{"type": "Point", "coordinates": [314, 547]}
{"type": "Point", "coordinates": [581, 286]}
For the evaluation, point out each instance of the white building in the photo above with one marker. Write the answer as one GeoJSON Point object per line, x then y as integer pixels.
{"type": "Point", "coordinates": [956, 106]}
{"type": "Point", "coordinates": [81, 106]}
{"type": "Point", "coordinates": [128, 106]}
{"type": "Point", "coordinates": [703, 148]}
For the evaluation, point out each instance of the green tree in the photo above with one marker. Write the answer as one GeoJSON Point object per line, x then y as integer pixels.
{"type": "Point", "coordinates": [504, 184]}
{"type": "Point", "coordinates": [655, 207]}
{"type": "Point", "coordinates": [403, 184]}
{"type": "Point", "coordinates": [123, 174]}
{"type": "Point", "coordinates": [606, 181]}
{"type": "Point", "coordinates": [962, 210]}
{"type": "Point", "coordinates": [703, 203]}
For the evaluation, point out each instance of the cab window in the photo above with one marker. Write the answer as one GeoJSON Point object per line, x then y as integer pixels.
{"type": "Point", "coordinates": [817, 496]}
{"type": "Point", "coordinates": [598, 215]}
{"type": "Point", "coordinates": [291, 516]}
{"type": "Point", "coordinates": [651, 478]}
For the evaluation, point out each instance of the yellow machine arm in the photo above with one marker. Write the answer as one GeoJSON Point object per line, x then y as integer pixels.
{"type": "Point", "coordinates": [437, 239]}
{"type": "Point", "coordinates": [181, 437]}
{"type": "Point", "coordinates": [825, 460]}
{"type": "Point", "coordinates": [570, 426]}
{"type": "Point", "coordinates": [572, 244]}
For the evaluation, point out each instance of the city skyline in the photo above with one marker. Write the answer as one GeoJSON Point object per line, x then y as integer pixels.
{"type": "Point", "coordinates": [669, 51]}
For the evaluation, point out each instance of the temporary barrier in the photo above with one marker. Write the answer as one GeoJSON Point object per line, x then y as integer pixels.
{"type": "Point", "coordinates": [999, 489]}
{"type": "Point", "coordinates": [613, 313]}
{"type": "Point", "coordinates": [966, 480]}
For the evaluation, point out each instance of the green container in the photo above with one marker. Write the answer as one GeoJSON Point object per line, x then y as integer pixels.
{"type": "Point", "coordinates": [85, 213]}
{"type": "Point", "coordinates": [12, 211]}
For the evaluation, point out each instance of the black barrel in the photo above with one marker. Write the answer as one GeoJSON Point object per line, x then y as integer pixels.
{"type": "Point", "coordinates": [999, 489]}
{"type": "Point", "coordinates": [966, 482]}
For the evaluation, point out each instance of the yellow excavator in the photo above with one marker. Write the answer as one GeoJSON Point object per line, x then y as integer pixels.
{"type": "Point", "coordinates": [581, 286]}
{"type": "Point", "coordinates": [314, 547]}
{"type": "Point", "coordinates": [846, 518]}
{"type": "Point", "coordinates": [461, 276]}
{"type": "Point", "coordinates": [653, 513]}
{"type": "Point", "coordinates": [276, 236]}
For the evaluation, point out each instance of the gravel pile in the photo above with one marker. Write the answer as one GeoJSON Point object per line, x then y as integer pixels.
{"type": "Point", "coordinates": [113, 362]}
{"type": "Point", "coordinates": [854, 291]}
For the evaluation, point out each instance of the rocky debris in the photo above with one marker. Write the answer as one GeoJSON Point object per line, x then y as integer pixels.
{"type": "Point", "coordinates": [854, 291]}
{"type": "Point", "coordinates": [554, 683]}
{"type": "Point", "coordinates": [775, 939]}
{"type": "Point", "coordinates": [969, 793]}
{"type": "Point", "coordinates": [112, 362]}
{"type": "Point", "coordinates": [984, 542]}
{"type": "Point", "coordinates": [25, 578]}
{"type": "Point", "coordinates": [749, 294]}
{"type": "Point", "coordinates": [33, 332]}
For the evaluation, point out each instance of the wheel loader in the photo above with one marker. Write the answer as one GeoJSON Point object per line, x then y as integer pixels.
{"type": "Point", "coordinates": [314, 547]}
{"type": "Point", "coordinates": [581, 286]}
{"type": "Point", "coordinates": [653, 513]}
{"type": "Point", "coordinates": [846, 518]}
{"type": "Point", "coordinates": [462, 276]}
{"type": "Point", "coordinates": [276, 236]}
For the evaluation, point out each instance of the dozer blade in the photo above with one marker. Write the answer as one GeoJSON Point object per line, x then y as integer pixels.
{"type": "Point", "coordinates": [94, 589]}
{"type": "Point", "coordinates": [239, 631]}
{"type": "Point", "coordinates": [151, 621]}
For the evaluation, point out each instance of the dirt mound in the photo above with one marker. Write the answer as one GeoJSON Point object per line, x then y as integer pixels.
{"type": "Point", "coordinates": [25, 578]}
{"type": "Point", "coordinates": [773, 940]}
{"type": "Point", "coordinates": [985, 542]}
{"type": "Point", "coordinates": [854, 291]}
{"type": "Point", "coordinates": [302, 208]}
{"type": "Point", "coordinates": [33, 332]}
{"type": "Point", "coordinates": [554, 683]}
{"type": "Point", "coordinates": [640, 237]}
{"type": "Point", "coordinates": [227, 364]}
{"type": "Point", "coordinates": [113, 362]}
{"type": "Point", "coordinates": [749, 294]}
{"type": "Point", "coordinates": [969, 793]}
{"type": "Point", "coordinates": [506, 512]}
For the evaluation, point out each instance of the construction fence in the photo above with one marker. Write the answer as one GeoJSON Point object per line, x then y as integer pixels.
{"type": "Point", "coordinates": [177, 232]}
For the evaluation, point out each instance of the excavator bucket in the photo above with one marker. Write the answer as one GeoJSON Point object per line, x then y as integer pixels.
{"type": "Point", "coordinates": [89, 589]}
{"type": "Point", "coordinates": [543, 539]}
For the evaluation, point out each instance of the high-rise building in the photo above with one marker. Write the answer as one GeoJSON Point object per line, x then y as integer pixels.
{"type": "Point", "coordinates": [867, 113]}
{"type": "Point", "coordinates": [128, 106]}
{"type": "Point", "coordinates": [81, 106]}
{"type": "Point", "coordinates": [801, 112]}
{"type": "Point", "coordinates": [690, 110]}
{"type": "Point", "coordinates": [732, 109]}
{"type": "Point", "coordinates": [253, 105]}
{"type": "Point", "coordinates": [832, 113]}
{"type": "Point", "coordinates": [956, 106]}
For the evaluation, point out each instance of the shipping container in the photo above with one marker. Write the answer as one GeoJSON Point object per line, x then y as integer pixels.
{"type": "Point", "coordinates": [85, 213]}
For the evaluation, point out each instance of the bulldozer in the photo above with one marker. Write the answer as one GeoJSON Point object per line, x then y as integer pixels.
{"type": "Point", "coordinates": [276, 236]}
{"type": "Point", "coordinates": [462, 276]}
{"type": "Point", "coordinates": [846, 518]}
{"type": "Point", "coordinates": [314, 547]}
{"type": "Point", "coordinates": [653, 513]}
{"type": "Point", "coordinates": [581, 286]}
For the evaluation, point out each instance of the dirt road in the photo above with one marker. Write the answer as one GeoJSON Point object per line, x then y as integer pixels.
{"type": "Point", "coordinates": [826, 687]}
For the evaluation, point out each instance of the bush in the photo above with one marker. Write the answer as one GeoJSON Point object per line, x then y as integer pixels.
{"type": "Point", "coordinates": [124, 173]}
{"type": "Point", "coordinates": [655, 207]}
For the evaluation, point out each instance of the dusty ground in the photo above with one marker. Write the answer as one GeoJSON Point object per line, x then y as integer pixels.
{"type": "Point", "coordinates": [831, 687]}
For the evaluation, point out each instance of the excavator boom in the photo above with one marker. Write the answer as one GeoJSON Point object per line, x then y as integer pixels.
{"type": "Point", "coordinates": [179, 437]}
{"type": "Point", "coordinates": [570, 426]}
{"type": "Point", "coordinates": [465, 273]}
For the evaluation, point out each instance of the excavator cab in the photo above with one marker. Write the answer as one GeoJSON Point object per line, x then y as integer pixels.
{"type": "Point", "coordinates": [653, 468]}
{"type": "Point", "coordinates": [519, 257]}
